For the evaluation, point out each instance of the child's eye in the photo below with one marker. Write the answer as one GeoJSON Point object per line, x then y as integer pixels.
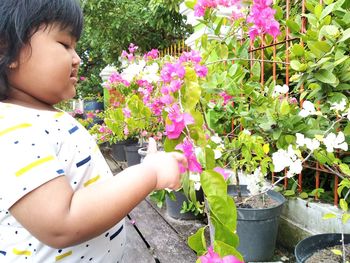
{"type": "Point", "coordinates": [65, 45]}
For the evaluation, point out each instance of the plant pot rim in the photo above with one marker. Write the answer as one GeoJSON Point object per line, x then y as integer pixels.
{"type": "Point", "coordinates": [309, 245]}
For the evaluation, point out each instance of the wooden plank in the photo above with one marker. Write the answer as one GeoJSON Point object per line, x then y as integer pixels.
{"type": "Point", "coordinates": [135, 248]}
{"type": "Point", "coordinates": [166, 243]}
{"type": "Point", "coordinates": [184, 228]}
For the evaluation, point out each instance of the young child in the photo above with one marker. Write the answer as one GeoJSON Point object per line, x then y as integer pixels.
{"type": "Point", "coordinates": [58, 199]}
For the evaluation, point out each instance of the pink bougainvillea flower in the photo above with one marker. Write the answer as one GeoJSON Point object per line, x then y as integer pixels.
{"type": "Point", "coordinates": [126, 112]}
{"type": "Point", "coordinates": [175, 85]}
{"type": "Point", "coordinates": [226, 97]}
{"type": "Point", "coordinates": [263, 20]}
{"type": "Point", "coordinates": [212, 257]}
{"type": "Point", "coordinates": [187, 148]}
{"type": "Point", "coordinates": [172, 71]}
{"type": "Point", "coordinates": [178, 121]}
{"type": "Point", "coordinates": [167, 99]}
{"type": "Point", "coordinates": [222, 171]}
{"type": "Point", "coordinates": [132, 48]}
{"type": "Point", "coordinates": [153, 54]}
{"type": "Point", "coordinates": [126, 131]}
{"type": "Point", "coordinates": [82, 78]}
{"type": "Point", "coordinates": [90, 115]}
{"type": "Point", "coordinates": [193, 56]}
{"type": "Point", "coordinates": [201, 71]}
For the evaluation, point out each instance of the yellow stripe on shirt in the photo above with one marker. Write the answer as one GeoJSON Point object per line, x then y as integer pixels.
{"type": "Point", "coordinates": [34, 164]}
{"type": "Point", "coordinates": [58, 114]}
{"type": "Point", "coordinates": [64, 255]}
{"type": "Point", "coordinates": [13, 128]}
{"type": "Point", "coordinates": [92, 180]}
{"type": "Point", "coordinates": [21, 252]}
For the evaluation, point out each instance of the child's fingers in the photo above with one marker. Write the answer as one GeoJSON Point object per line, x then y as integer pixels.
{"type": "Point", "coordinates": [180, 158]}
{"type": "Point", "coordinates": [152, 146]}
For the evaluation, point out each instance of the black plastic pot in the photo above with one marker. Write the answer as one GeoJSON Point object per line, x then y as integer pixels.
{"type": "Point", "coordinates": [173, 207]}
{"type": "Point", "coordinates": [308, 246]}
{"type": "Point", "coordinates": [118, 150]}
{"type": "Point", "coordinates": [256, 227]}
{"type": "Point", "coordinates": [93, 105]}
{"type": "Point", "coordinates": [131, 154]}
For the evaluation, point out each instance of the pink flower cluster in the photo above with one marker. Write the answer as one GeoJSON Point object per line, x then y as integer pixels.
{"type": "Point", "coordinates": [188, 149]}
{"type": "Point", "coordinates": [212, 257]}
{"type": "Point", "coordinates": [131, 55]}
{"type": "Point", "coordinates": [153, 54]}
{"type": "Point", "coordinates": [263, 19]}
{"type": "Point", "coordinates": [261, 15]}
{"type": "Point", "coordinates": [115, 79]}
{"type": "Point", "coordinates": [203, 5]}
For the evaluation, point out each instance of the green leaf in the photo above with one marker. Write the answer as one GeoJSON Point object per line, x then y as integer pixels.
{"type": "Point", "coordinates": [318, 48]}
{"type": "Point", "coordinates": [224, 249]}
{"type": "Point", "coordinates": [329, 216]}
{"type": "Point", "coordinates": [344, 168]}
{"type": "Point", "coordinates": [303, 195]}
{"type": "Point", "coordinates": [213, 183]}
{"type": "Point", "coordinates": [337, 252]}
{"type": "Point", "coordinates": [346, 36]}
{"type": "Point", "coordinates": [296, 65]}
{"type": "Point", "coordinates": [325, 76]}
{"type": "Point", "coordinates": [197, 242]}
{"type": "Point", "coordinates": [289, 193]}
{"type": "Point", "coordinates": [285, 107]}
{"type": "Point", "coordinates": [343, 205]}
{"type": "Point", "coordinates": [345, 218]}
{"type": "Point", "coordinates": [297, 50]}
{"type": "Point", "coordinates": [293, 26]}
{"type": "Point", "coordinates": [209, 158]}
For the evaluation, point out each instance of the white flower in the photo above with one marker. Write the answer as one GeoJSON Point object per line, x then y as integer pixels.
{"type": "Point", "coordinates": [310, 144]}
{"type": "Point", "coordinates": [247, 132]}
{"type": "Point", "coordinates": [151, 73]}
{"type": "Point", "coordinates": [294, 168]}
{"type": "Point", "coordinates": [256, 182]}
{"type": "Point", "coordinates": [280, 160]}
{"type": "Point", "coordinates": [195, 177]}
{"type": "Point", "coordinates": [308, 109]}
{"type": "Point", "coordinates": [300, 139]}
{"type": "Point", "coordinates": [217, 154]}
{"type": "Point", "coordinates": [339, 106]}
{"type": "Point", "coordinates": [215, 138]}
{"type": "Point", "coordinates": [280, 90]}
{"type": "Point", "coordinates": [333, 141]}
{"type": "Point", "coordinates": [133, 70]}
{"type": "Point", "coordinates": [287, 159]}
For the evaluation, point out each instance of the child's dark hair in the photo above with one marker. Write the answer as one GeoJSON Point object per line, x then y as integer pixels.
{"type": "Point", "coordinates": [20, 19]}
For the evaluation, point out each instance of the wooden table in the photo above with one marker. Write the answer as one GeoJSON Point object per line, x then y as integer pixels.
{"type": "Point", "coordinates": [152, 235]}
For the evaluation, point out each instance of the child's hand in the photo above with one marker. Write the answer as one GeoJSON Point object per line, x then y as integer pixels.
{"type": "Point", "coordinates": [165, 165]}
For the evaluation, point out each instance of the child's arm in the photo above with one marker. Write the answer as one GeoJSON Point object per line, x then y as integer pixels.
{"type": "Point", "coordinates": [59, 217]}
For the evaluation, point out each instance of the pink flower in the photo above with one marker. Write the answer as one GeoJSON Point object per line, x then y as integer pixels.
{"type": "Point", "coordinates": [178, 122]}
{"type": "Point", "coordinates": [187, 148]}
{"type": "Point", "coordinates": [201, 71]}
{"type": "Point", "coordinates": [212, 257]}
{"type": "Point", "coordinates": [172, 71]}
{"type": "Point", "coordinates": [226, 97]}
{"type": "Point", "coordinates": [153, 54]}
{"type": "Point", "coordinates": [126, 112]}
{"type": "Point", "coordinates": [193, 56]}
{"type": "Point", "coordinates": [126, 131]}
{"type": "Point", "coordinates": [222, 171]}
{"type": "Point", "coordinates": [82, 78]}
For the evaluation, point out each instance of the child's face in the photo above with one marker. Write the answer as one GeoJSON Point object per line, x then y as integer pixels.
{"type": "Point", "coordinates": [47, 67]}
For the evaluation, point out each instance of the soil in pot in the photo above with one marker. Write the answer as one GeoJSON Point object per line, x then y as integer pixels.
{"type": "Point", "coordinates": [259, 201]}
{"type": "Point", "coordinates": [327, 256]}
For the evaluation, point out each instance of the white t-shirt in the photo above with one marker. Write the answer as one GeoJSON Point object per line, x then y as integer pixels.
{"type": "Point", "coordinates": [35, 147]}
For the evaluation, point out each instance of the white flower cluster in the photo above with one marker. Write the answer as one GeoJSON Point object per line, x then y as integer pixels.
{"type": "Point", "coordinates": [287, 159]}
{"type": "Point", "coordinates": [256, 182]}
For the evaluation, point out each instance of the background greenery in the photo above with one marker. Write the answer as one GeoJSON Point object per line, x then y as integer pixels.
{"type": "Point", "coordinates": [111, 25]}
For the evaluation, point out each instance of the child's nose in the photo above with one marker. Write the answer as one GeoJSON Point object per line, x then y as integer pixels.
{"type": "Point", "coordinates": [76, 58]}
